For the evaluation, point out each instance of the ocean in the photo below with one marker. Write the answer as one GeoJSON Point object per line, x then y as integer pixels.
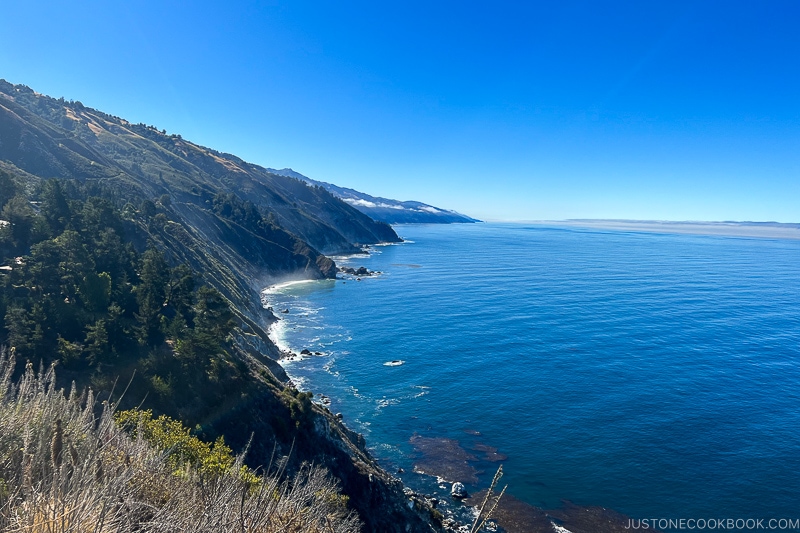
{"type": "Point", "coordinates": [654, 374]}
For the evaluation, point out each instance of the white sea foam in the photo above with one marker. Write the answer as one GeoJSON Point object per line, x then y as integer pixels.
{"type": "Point", "coordinates": [386, 402]}
{"type": "Point", "coordinates": [362, 426]}
{"type": "Point", "coordinates": [386, 447]}
{"type": "Point", "coordinates": [287, 362]}
{"type": "Point", "coordinates": [282, 286]}
{"type": "Point", "coordinates": [357, 394]}
{"type": "Point", "coordinates": [299, 383]}
{"type": "Point", "coordinates": [405, 241]}
{"type": "Point", "coordinates": [347, 259]}
{"type": "Point", "coordinates": [277, 334]}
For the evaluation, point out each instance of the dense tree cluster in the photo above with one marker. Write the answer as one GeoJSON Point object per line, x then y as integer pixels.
{"type": "Point", "coordinates": [75, 290]}
{"type": "Point", "coordinates": [244, 213]}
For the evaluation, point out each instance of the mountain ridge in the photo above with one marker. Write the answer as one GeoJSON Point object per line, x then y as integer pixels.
{"type": "Point", "coordinates": [384, 209]}
{"type": "Point", "coordinates": [55, 138]}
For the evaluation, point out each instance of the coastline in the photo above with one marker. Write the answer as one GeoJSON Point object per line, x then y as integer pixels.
{"type": "Point", "coordinates": [433, 485]}
{"type": "Point", "coordinates": [715, 265]}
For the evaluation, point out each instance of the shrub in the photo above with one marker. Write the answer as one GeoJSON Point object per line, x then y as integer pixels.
{"type": "Point", "coordinates": [64, 469]}
{"type": "Point", "coordinates": [180, 447]}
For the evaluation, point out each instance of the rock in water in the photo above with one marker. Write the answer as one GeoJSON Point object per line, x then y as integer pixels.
{"type": "Point", "coordinates": [458, 491]}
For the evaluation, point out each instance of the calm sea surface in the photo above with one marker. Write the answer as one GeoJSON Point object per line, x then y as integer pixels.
{"type": "Point", "coordinates": [658, 375]}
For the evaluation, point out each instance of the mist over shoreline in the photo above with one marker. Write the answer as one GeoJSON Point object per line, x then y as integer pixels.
{"type": "Point", "coordinates": [760, 230]}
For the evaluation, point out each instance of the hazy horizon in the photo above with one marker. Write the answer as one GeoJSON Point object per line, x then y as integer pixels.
{"type": "Point", "coordinates": [515, 111]}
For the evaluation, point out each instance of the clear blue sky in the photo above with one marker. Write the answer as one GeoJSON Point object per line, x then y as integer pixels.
{"type": "Point", "coordinates": [501, 110]}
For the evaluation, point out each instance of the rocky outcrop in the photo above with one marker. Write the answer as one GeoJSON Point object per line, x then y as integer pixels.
{"type": "Point", "coordinates": [458, 491]}
{"type": "Point", "coordinates": [360, 271]}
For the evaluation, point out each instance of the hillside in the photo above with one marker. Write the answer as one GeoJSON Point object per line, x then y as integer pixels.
{"type": "Point", "coordinates": [51, 138]}
{"type": "Point", "coordinates": [385, 209]}
{"type": "Point", "coordinates": [132, 256]}
{"type": "Point", "coordinates": [42, 138]}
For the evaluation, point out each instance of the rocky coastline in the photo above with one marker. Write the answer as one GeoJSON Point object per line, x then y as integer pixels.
{"type": "Point", "coordinates": [444, 462]}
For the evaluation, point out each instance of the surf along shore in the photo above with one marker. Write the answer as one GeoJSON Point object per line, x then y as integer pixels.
{"type": "Point", "coordinates": [439, 462]}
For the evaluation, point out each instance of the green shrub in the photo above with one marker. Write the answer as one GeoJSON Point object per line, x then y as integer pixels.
{"type": "Point", "coordinates": [172, 437]}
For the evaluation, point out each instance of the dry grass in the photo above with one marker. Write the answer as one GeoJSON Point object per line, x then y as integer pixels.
{"type": "Point", "coordinates": [65, 470]}
{"type": "Point", "coordinates": [483, 515]}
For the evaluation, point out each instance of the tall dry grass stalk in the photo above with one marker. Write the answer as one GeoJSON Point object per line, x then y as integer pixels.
{"type": "Point", "coordinates": [65, 470]}
{"type": "Point", "coordinates": [482, 517]}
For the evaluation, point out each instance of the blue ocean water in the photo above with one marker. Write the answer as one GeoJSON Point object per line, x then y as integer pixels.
{"type": "Point", "coordinates": [657, 375]}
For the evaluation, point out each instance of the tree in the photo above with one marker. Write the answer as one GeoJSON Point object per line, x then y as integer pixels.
{"type": "Point", "coordinates": [151, 295]}
{"type": "Point", "coordinates": [147, 208]}
{"type": "Point", "coordinates": [96, 291]}
{"type": "Point", "coordinates": [19, 327]}
{"type": "Point", "coordinates": [96, 341]}
{"type": "Point", "coordinates": [180, 292]}
{"type": "Point", "coordinates": [8, 189]}
{"type": "Point", "coordinates": [113, 256]}
{"type": "Point", "coordinates": [212, 313]}
{"type": "Point", "coordinates": [98, 215]}
{"type": "Point", "coordinates": [44, 274]}
{"type": "Point", "coordinates": [55, 208]}
{"type": "Point", "coordinates": [75, 263]}
{"type": "Point", "coordinates": [18, 213]}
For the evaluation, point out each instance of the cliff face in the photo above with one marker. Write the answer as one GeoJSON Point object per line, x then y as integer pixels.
{"type": "Point", "coordinates": [239, 227]}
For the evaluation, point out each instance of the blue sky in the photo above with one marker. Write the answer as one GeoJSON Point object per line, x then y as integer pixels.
{"type": "Point", "coordinates": [501, 110]}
